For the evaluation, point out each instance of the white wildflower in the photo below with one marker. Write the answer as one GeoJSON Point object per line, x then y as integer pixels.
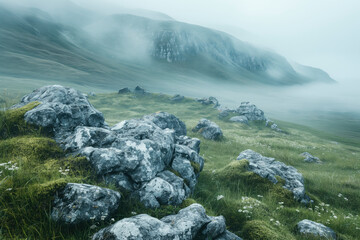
{"type": "Point", "coordinates": [219, 197]}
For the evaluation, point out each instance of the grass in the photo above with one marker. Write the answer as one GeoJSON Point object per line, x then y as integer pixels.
{"type": "Point", "coordinates": [253, 207]}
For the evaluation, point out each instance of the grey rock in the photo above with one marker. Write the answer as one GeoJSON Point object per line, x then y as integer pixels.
{"type": "Point", "coordinates": [186, 152]}
{"type": "Point", "coordinates": [139, 90]}
{"type": "Point", "coordinates": [272, 125]}
{"type": "Point", "coordinates": [208, 101]}
{"type": "Point", "coordinates": [269, 168]}
{"type": "Point", "coordinates": [124, 90]}
{"type": "Point", "coordinates": [184, 168]}
{"type": "Point", "coordinates": [80, 203]}
{"type": "Point", "coordinates": [215, 228]}
{"type": "Point", "coordinates": [177, 98]}
{"type": "Point", "coordinates": [192, 143]}
{"type": "Point", "coordinates": [61, 109]}
{"type": "Point", "coordinates": [166, 120]}
{"type": "Point", "coordinates": [316, 229]}
{"type": "Point", "coordinates": [251, 112]}
{"type": "Point", "coordinates": [310, 158]}
{"type": "Point", "coordinates": [208, 129]}
{"type": "Point", "coordinates": [239, 119]}
{"type": "Point", "coordinates": [120, 180]}
{"type": "Point", "coordinates": [185, 225]}
{"type": "Point", "coordinates": [92, 94]}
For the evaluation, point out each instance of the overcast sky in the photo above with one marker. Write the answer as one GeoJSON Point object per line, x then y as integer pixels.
{"type": "Point", "coordinates": [320, 33]}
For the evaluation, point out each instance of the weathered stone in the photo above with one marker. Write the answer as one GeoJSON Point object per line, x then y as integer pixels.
{"type": "Point", "coordinates": [239, 119]}
{"type": "Point", "coordinates": [186, 152]}
{"type": "Point", "coordinates": [208, 129]}
{"type": "Point", "coordinates": [120, 180]}
{"type": "Point", "coordinates": [139, 90]}
{"type": "Point", "coordinates": [166, 120]}
{"type": "Point", "coordinates": [61, 109]}
{"type": "Point", "coordinates": [251, 112]}
{"type": "Point", "coordinates": [269, 168]}
{"type": "Point", "coordinates": [124, 90]}
{"type": "Point", "coordinates": [177, 98]}
{"type": "Point", "coordinates": [92, 94]}
{"type": "Point", "coordinates": [80, 203]}
{"type": "Point", "coordinates": [208, 101]}
{"type": "Point", "coordinates": [192, 143]}
{"type": "Point", "coordinates": [308, 227]}
{"type": "Point", "coordinates": [215, 228]}
{"type": "Point", "coordinates": [310, 158]}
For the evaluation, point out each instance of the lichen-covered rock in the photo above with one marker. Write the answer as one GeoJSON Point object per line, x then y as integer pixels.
{"type": "Point", "coordinates": [124, 90]}
{"type": "Point", "coordinates": [239, 119]}
{"type": "Point", "coordinates": [316, 229]}
{"type": "Point", "coordinates": [269, 168]}
{"type": "Point", "coordinates": [185, 225]}
{"type": "Point", "coordinates": [251, 112]}
{"type": "Point", "coordinates": [192, 143]}
{"type": "Point", "coordinates": [60, 109]}
{"type": "Point", "coordinates": [165, 120]}
{"type": "Point", "coordinates": [177, 98]}
{"type": "Point", "coordinates": [272, 125]}
{"type": "Point", "coordinates": [139, 90]}
{"type": "Point", "coordinates": [208, 101]}
{"type": "Point", "coordinates": [310, 158]}
{"type": "Point", "coordinates": [208, 129]}
{"type": "Point", "coordinates": [80, 203]}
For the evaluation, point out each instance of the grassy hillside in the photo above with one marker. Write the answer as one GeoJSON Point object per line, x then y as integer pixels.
{"type": "Point", "coordinates": [254, 208]}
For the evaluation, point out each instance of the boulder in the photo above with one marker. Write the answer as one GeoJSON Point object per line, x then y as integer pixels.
{"type": "Point", "coordinates": [251, 112]}
{"type": "Point", "coordinates": [177, 98]}
{"type": "Point", "coordinates": [166, 120]}
{"type": "Point", "coordinates": [310, 158]}
{"type": "Point", "coordinates": [269, 168]}
{"type": "Point", "coordinates": [192, 143]}
{"type": "Point", "coordinates": [189, 223]}
{"type": "Point", "coordinates": [81, 203]}
{"type": "Point", "coordinates": [208, 101]}
{"type": "Point", "coordinates": [315, 229]}
{"type": "Point", "coordinates": [61, 109]}
{"type": "Point", "coordinates": [139, 90]}
{"type": "Point", "coordinates": [239, 119]}
{"type": "Point", "coordinates": [124, 90]}
{"type": "Point", "coordinates": [208, 129]}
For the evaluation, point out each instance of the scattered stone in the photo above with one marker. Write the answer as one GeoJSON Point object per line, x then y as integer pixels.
{"type": "Point", "coordinates": [192, 143]}
{"type": "Point", "coordinates": [208, 101]}
{"type": "Point", "coordinates": [251, 112]}
{"type": "Point", "coordinates": [81, 203]}
{"type": "Point", "coordinates": [177, 98]}
{"type": "Point", "coordinates": [239, 119]}
{"type": "Point", "coordinates": [165, 120]}
{"type": "Point", "coordinates": [124, 90]}
{"type": "Point", "coordinates": [316, 229]}
{"type": "Point", "coordinates": [310, 158]}
{"type": "Point", "coordinates": [269, 168]}
{"type": "Point", "coordinates": [92, 94]}
{"type": "Point", "coordinates": [272, 125]}
{"type": "Point", "coordinates": [189, 223]}
{"type": "Point", "coordinates": [139, 90]}
{"type": "Point", "coordinates": [61, 109]}
{"type": "Point", "coordinates": [208, 129]}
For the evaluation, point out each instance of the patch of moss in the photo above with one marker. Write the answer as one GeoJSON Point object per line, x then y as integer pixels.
{"type": "Point", "coordinates": [196, 167]}
{"type": "Point", "coordinates": [31, 148]}
{"type": "Point", "coordinates": [261, 230]}
{"type": "Point", "coordinates": [12, 121]}
{"type": "Point", "coordinates": [47, 190]}
{"type": "Point", "coordinates": [187, 202]}
{"type": "Point", "coordinates": [234, 170]}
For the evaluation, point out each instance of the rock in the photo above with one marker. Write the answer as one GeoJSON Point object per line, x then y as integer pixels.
{"type": "Point", "coordinates": [139, 90]}
{"type": "Point", "coordinates": [61, 109]}
{"type": "Point", "coordinates": [166, 120]}
{"type": "Point", "coordinates": [316, 229]}
{"type": "Point", "coordinates": [124, 90]}
{"type": "Point", "coordinates": [208, 129]}
{"type": "Point", "coordinates": [272, 125]}
{"type": "Point", "coordinates": [92, 94]}
{"type": "Point", "coordinates": [251, 112]}
{"type": "Point", "coordinates": [192, 143]}
{"type": "Point", "coordinates": [239, 119]}
{"type": "Point", "coordinates": [310, 158]}
{"type": "Point", "coordinates": [81, 203]}
{"type": "Point", "coordinates": [269, 168]}
{"type": "Point", "coordinates": [177, 98]}
{"type": "Point", "coordinates": [208, 101]}
{"type": "Point", "coordinates": [189, 223]}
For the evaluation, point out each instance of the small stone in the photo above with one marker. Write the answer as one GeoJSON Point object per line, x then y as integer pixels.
{"type": "Point", "coordinates": [309, 227]}
{"type": "Point", "coordinates": [124, 90]}
{"type": "Point", "coordinates": [208, 129]}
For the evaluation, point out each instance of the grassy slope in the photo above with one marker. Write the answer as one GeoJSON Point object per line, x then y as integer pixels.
{"type": "Point", "coordinates": [38, 176]}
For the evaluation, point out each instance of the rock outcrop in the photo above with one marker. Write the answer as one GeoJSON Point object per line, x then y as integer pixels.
{"type": "Point", "coordinates": [208, 129]}
{"type": "Point", "coordinates": [140, 91]}
{"type": "Point", "coordinates": [124, 90]}
{"type": "Point", "coordinates": [209, 101]}
{"type": "Point", "coordinates": [189, 223]}
{"type": "Point", "coordinates": [177, 98]}
{"type": "Point", "coordinates": [251, 112]}
{"type": "Point", "coordinates": [135, 155]}
{"type": "Point", "coordinates": [315, 229]}
{"type": "Point", "coordinates": [310, 158]}
{"type": "Point", "coordinates": [269, 168]}
{"type": "Point", "coordinates": [81, 203]}
{"type": "Point", "coordinates": [239, 119]}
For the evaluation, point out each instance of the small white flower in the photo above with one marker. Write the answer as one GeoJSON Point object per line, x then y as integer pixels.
{"type": "Point", "coordinates": [219, 197]}
{"type": "Point", "coordinates": [240, 210]}
{"type": "Point", "coordinates": [260, 196]}
{"type": "Point", "coordinates": [297, 210]}
{"type": "Point", "coordinates": [281, 203]}
{"type": "Point", "coordinates": [9, 189]}
{"type": "Point", "coordinates": [112, 219]}
{"type": "Point", "coordinates": [346, 199]}
{"type": "Point", "coordinates": [103, 218]}
{"type": "Point", "coordinates": [92, 227]}
{"type": "Point", "coordinates": [340, 195]}
{"type": "Point", "coordinates": [92, 218]}
{"type": "Point", "coordinates": [133, 213]}
{"type": "Point", "coordinates": [271, 219]}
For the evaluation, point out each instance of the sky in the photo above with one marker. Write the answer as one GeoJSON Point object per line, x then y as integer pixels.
{"type": "Point", "coordinates": [319, 33]}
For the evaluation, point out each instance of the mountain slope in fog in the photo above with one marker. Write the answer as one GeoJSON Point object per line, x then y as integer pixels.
{"type": "Point", "coordinates": [141, 47]}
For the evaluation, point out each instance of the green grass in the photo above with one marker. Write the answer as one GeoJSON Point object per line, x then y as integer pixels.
{"type": "Point", "coordinates": [267, 211]}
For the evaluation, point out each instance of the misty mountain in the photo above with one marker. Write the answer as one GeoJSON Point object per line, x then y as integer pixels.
{"type": "Point", "coordinates": [137, 45]}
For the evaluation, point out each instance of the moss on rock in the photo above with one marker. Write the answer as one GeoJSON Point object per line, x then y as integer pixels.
{"type": "Point", "coordinates": [261, 230]}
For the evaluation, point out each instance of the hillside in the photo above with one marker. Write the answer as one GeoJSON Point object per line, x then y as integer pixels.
{"type": "Point", "coordinates": [38, 169]}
